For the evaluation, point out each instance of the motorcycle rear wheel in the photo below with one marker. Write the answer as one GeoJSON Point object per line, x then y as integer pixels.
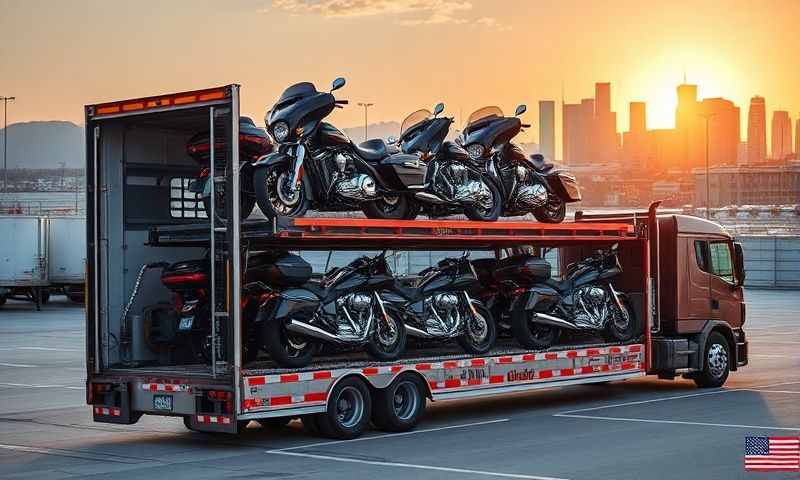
{"type": "Point", "coordinates": [534, 336]}
{"type": "Point", "coordinates": [247, 202]}
{"type": "Point", "coordinates": [285, 349]}
{"type": "Point", "coordinates": [481, 214]}
{"type": "Point", "coordinates": [402, 207]}
{"type": "Point", "coordinates": [480, 333]}
{"type": "Point", "coordinates": [553, 211]}
{"type": "Point", "coordinates": [274, 203]}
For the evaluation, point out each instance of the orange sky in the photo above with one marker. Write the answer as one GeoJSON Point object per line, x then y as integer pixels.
{"type": "Point", "coordinates": [56, 56]}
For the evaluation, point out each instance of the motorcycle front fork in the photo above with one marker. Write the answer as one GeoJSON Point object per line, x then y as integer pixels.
{"type": "Point", "coordinates": [297, 168]}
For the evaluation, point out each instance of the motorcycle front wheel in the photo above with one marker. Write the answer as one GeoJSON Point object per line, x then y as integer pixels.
{"type": "Point", "coordinates": [553, 211]}
{"type": "Point", "coordinates": [388, 340]}
{"type": "Point", "coordinates": [532, 335]}
{"type": "Point", "coordinates": [488, 212]}
{"type": "Point", "coordinates": [286, 349]}
{"type": "Point", "coordinates": [247, 202]}
{"type": "Point", "coordinates": [480, 331]}
{"type": "Point", "coordinates": [623, 325]}
{"type": "Point", "coordinates": [398, 207]}
{"type": "Point", "coordinates": [273, 198]}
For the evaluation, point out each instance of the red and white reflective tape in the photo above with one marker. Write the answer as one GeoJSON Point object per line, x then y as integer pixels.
{"type": "Point", "coordinates": [165, 387]}
{"type": "Point", "coordinates": [213, 419]}
{"type": "Point", "coordinates": [290, 377]}
{"type": "Point", "coordinates": [107, 411]}
{"type": "Point", "coordinates": [286, 400]}
{"type": "Point", "coordinates": [529, 376]}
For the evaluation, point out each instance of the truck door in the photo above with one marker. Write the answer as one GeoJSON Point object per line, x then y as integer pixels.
{"type": "Point", "coordinates": [698, 283]}
{"type": "Point", "coordinates": [726, 295]}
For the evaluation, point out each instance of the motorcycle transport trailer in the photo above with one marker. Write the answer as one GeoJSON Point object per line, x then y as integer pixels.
{"type": "Point", "coordinates": [142, 213]}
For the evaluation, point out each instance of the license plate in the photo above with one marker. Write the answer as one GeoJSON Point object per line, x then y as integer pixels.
{"type": "Point", "coordinates": [162, 402]}
{"type": "Point", "coordinates": [186, 323]}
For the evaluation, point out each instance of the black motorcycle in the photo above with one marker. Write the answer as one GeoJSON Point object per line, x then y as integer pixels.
{"type": "Point", "coordinates": [527, 185]}
{"type": "Point", "coordinates": [585, 301]}
{"type": "Point", "coordinates": [437, 306]}
{"type": "Point", "coordinates": [317, 166]}
{"type": "Point", "coordinates": [437, 177]}
{"type": "Point", "coordinates": [344, 309]}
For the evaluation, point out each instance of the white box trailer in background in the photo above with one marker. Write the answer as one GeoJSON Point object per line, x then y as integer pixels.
{"type": "Point", "coordinates": [23, 258]}
{"type": "Point", "coordinates": [67, 255]}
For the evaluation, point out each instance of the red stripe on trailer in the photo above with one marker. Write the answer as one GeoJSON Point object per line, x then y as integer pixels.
{"type": "Point", "coordinates": [396, 368]}
{"type": "Point", "coordinates": [290, 378]}
{"type": "Point", "coordinates": [252, 381]}
{"type": "Point", "coordinates": [496, 379]}
{"type": "Point", "coordinates": [587, 369]}
{"type": "Point", "coordinates": [545, 374]}
{"type": "Point", "coordinates": [450, 364]}
{"type": "Point", "coordinates": [615, 350]}
{"type": "Point", "coordinates": [592, 351]}
{"type": "Point", "coordinates": [567, 372]}
{"type": "Point", "coordinates": [628, 365]}
{"type": "Point", "coordinates": [505, 360]}
{"type": "Point", "coordinates": [635, 348]}
{"type": "Point", "coordinates": [529, 357]}
{"type": "Point", "coordinates": [551, 356]}
{"type": "Point", "coordinates": [452, 383]}
{"type": "Point", "coordinates": [315, 397]}
{"type": "Point", "coordinates": [282, 400]}
{"type": "Point", "coordinates": [572, 354]}
{"type": "Point", "coordinates": [432, 384]}
{"type": "Point", "coordinates": [370, 371]}
{"type": "Point", "coordinates": [423, 366]}
{"type": "Point", "coordinates": [322, 375]}
{"type": "Point", "coordinates": [478, 362]}
{"type": "Point", "coordinates": [474, 381]}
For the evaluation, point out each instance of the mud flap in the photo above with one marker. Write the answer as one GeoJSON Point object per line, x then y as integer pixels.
{"type": "Point", "coordinates": [111, 403]}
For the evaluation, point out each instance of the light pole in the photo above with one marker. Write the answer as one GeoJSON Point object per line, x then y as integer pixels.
{"type": "Point", "coordinates": [5, 140]}
{"type": "Point", "coordinates": [708, 117]}
{"type": "Point", "coordinates": [366, 106]}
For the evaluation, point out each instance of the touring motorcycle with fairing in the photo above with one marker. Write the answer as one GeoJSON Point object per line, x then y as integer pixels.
{"type": "Point", "coordinates": [345, 309]}
{"type": "Point", "coordinates": [317, 166]}
{"type": "Point", "coordinates": [528, 185]}
{"type": "Point", "coordinates": [437, 306]}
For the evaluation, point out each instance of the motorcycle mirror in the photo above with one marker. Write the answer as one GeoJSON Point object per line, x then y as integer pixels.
{"type": "Point", "coordinates": [614, 247]}
{"type": "Point", "coordinates": [392, 139]}
{"type": "Point", "coordinates": [522, 108]}
{"type": "Point", "coordinates": [439, 108]}
{"type": "Point", "coordinates": [338, 83]}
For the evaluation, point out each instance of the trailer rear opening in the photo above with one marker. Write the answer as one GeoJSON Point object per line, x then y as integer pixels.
{"type": "Point", "coordinates": [143, 215]}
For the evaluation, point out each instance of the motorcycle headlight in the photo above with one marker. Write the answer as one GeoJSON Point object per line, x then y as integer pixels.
{"type": "Point", "coordinates": [475, 150]}
{"type": "Point", "coordinates": [280, 131]}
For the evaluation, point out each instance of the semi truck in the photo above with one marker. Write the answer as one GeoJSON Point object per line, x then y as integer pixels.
{"type": "Point", "coordinates": [683, 276]}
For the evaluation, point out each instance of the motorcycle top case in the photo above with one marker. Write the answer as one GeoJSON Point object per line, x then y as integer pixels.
{"type": "Point", "coordinates": [279, 269]}
{"type": "Point", "coordinates": [186, 274]}
{"type": "Point", "coordinates": [565, 186]}
{"type": "Point", "coordinates": [522, 269]}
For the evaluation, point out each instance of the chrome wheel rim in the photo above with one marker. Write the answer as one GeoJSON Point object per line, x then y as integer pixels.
{"type": "Point", "coordinates": [477, 328]}
{"type": "Point", "coordinates": [349, 407]}
{"type": "Point", "coordinates": [717, 360]}
{"type": "Point", "coordinates": [387, 332]}
{"type": "Point", "coordinates": [278, 198]}
{"type": "Point", "coordinates": [621, 319]}
{"type": "Point", "coordinates": [405, 401]}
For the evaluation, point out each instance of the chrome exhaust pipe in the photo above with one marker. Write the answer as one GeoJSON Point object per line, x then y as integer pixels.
{"type": "Point", "coordinates": [311, 331]}
{"type": "Point", "coordinates": [416, 332]}
{"type": "Point", "coordinates": [546, 319]}
{"type": "Point", "coordinates": [429, 197]}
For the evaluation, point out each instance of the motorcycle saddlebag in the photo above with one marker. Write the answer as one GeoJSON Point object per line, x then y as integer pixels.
{"type": "Point", "coordinates": [278, 269]}
{"type": "Point", "coordinates": [522, 269]}
{"type": "Point", "coordinates": [565, 186]}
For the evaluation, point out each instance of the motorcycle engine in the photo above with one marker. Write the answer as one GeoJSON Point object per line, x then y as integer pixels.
{"type": "Point", "coordinates": [590, 305]}
{"type": "Point", "coordinates": [459, 187]}
{"type": "Point", "coordinates": [350, 184]}
{"type": "Point", "coordinates": [529, 195]}
{"type": "Point", "coordinates": [359, 302]}
{"type": "Point", "coordinates": [443, 318]}
{"type": "Point", "coordinates": [356, 311]}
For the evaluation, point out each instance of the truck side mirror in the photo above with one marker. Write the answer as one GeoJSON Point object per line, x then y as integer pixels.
{"type": "Point", "coordinates": [739, 263]}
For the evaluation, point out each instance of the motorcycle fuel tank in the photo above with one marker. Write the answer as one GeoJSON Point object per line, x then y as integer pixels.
{"type": "Point", "coordinates": [331, 136]}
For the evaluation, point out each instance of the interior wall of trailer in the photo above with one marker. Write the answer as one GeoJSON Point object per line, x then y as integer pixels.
{"type": "Point", "coordinates": [137, 163]}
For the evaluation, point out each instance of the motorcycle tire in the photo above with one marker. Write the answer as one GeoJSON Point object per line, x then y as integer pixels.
{"type": "Point", "coordinates": [280, 347]}
{"type": "Point", "coordinates": [627, 332]}
{"type": "Point", "coordinates": [265, 181]}
{"type": "Point", "coordinates": [246, 205]}
{"type": "Point", "coordinates": [487, 340]}
{"type": "Point", "coordinates": [473, 212]}
{"type": "Point", "coordinates": [388, 351]}
{"type": "Point", "coordinates": [553, 211]}
{"type": "Point", "coordinates": [532, 335]}
{"type": "Point", "coordinates": [404, 208]}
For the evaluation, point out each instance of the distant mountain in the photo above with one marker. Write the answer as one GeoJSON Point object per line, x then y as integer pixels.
{"type": "Point", "coordinates": [374, 130]}
{"type": "Point", "coordinates": [44, 145]}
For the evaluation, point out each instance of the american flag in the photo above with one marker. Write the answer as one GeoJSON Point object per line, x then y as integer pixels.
{"type": "Point", "coordinates": [772, 454]}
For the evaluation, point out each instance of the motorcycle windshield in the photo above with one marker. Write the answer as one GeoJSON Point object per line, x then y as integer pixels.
{"type": "Point", "coordinates": [484, 113]}
{"type": "Point", "coordinates": [414, 119]}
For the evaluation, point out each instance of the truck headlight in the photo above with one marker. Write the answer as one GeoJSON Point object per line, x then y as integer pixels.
{"type": "Point", "coordinates": [280, 131]}
{"type": "Point", "coordinates": [475, 150]}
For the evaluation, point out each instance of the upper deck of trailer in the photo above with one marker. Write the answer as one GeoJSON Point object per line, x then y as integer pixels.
{"type": "Point", "coordinates": [361, 233]}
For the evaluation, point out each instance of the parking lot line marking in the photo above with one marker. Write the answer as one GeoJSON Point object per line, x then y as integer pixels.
{"type": "Point", "coordinates": [769, 391]}
{"type": "Point", "coordinates": [16, 365]}
{"type": "Point", "coordinates": [387, 435]}
{"type": "Point", "coordinates": [640, 402]}
{"type": "Point", "coordinates": [770, 355]}
{"type": "Point", "coordinates": [776, 342]}
{"type": "Point", "coordinates": [411, 465]}
{"type": "Point", "coordinates": [29, 385]}
{"type": "Point", "coordinates": [676, 422]}
{"type": "Point", "coordinates": [74, 454]}
{"type": "Point", "coordinates": [50, 349]}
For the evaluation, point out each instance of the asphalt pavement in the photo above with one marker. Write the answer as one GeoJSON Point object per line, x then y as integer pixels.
{"type": "Point", "coordinates": [636, 429]}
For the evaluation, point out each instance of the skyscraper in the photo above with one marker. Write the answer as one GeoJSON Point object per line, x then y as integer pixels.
{"type": "Point", "coordinates": [547, 134]}
{"type": "Point", "coordinates": [585, 152]}
{"type": "Point", "coordinates": [687, 122]}
{"type": "Point", "coordinates": [605, 143]}
{"type": "Point", "coordinates": [638, 117]}
{"type": "Point", "coordinates": [797, 139]}
{"type": "Point", "coordinates": [756, 131]}
{"type": "Point", "coordinates": [602, 97]}
{"type": "Point", "coordinates": [723, 134]}
{"type": "Point", "coordinates": [781, 135]}
{"type": "Point", "coordinates": [570, 132]}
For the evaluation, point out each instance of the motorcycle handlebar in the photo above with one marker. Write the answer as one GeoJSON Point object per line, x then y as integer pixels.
{"type": "Point", "coordinates": [526, 125]}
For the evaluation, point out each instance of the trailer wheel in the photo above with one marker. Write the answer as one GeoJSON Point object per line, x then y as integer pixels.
{"type": "Point", "coordinates": [349, 410]}
{"type": "Point", "coordinates": [399, 406]}
{"type": "Point", "coordinates": [717, 362]}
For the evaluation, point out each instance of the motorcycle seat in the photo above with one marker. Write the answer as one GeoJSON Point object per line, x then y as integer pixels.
{"type": "Point", "coordinates": [372, 150]}
{"type": "Point", "coordinates": [560, 286]}
{"type": "Point", "coordinates": [540, 165]}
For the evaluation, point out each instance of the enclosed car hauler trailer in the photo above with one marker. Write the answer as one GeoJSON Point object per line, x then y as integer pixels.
{"type": "Point", "coordinates": [24, 258]}
{"type": "Point", "coordinates": [139, 215]}
{"type": "Point", "coordinates": [67, 255]}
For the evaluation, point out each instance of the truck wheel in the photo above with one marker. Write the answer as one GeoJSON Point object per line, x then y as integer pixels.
{"type": "Point", "coordinates": [532, 335]}
{"type": "Point", "coordinates": [399, 406]}
{"type": "Point", "coordinates": [717, 362]}
{"type": "Point", "coordinates": [349, 410]}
